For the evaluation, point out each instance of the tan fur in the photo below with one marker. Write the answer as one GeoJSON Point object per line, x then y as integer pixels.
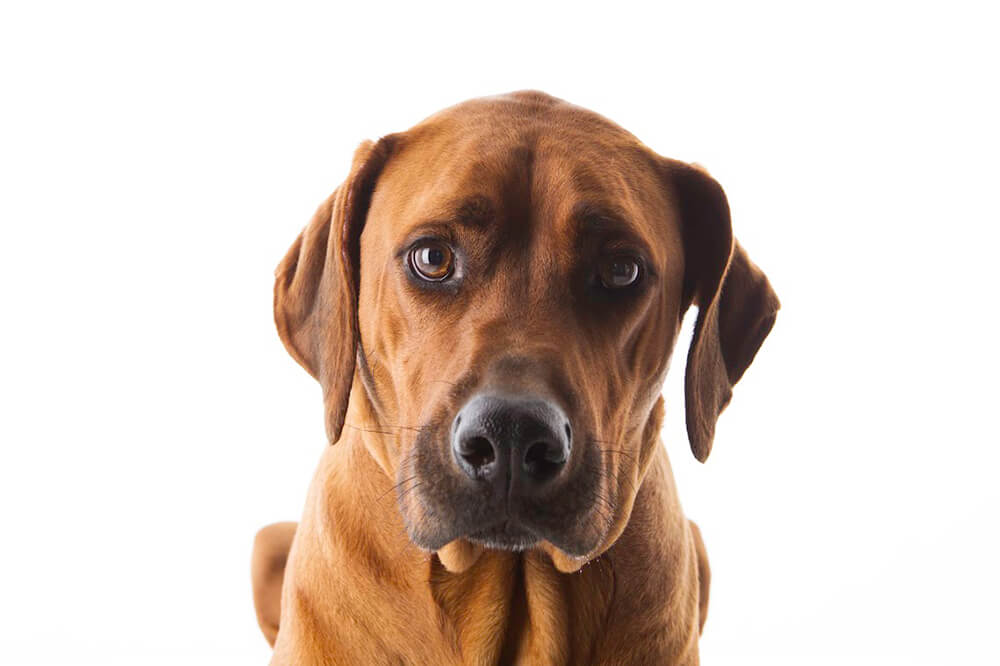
{"type": "Point", "coordinates": [267, 568]}
{"type": "Point", "coordinates": [355, 589]}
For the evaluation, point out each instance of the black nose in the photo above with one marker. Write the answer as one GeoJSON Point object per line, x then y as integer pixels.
{"type": "Point", "coordinates": [524, 436]}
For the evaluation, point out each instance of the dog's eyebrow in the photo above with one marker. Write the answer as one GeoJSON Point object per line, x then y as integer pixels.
{"type": "Point", "coordinates": [592, 217]}
{"type": "Point", "coordinates": [475, 212]}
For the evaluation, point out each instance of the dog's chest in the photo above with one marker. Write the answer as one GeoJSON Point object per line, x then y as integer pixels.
{"type": "Point", "coordinates": [516, 608]}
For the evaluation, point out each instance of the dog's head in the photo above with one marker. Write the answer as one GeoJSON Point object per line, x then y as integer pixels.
{"type": "Point", "coordinates": [503, 285]}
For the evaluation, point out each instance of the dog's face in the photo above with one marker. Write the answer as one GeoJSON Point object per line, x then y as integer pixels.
{"type": "Point", "coordinates": [512, 274]}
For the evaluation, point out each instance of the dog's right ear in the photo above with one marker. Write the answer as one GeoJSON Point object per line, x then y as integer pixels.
{"type": "Point", "coordinates": [316, 285]}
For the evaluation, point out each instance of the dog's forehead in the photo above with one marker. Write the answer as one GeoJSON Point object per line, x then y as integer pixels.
{"type": "Point", "coordinates": [523, 159]}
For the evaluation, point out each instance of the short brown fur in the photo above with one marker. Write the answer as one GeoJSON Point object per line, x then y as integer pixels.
{"type": "Point", "coordinates": [629, 583]}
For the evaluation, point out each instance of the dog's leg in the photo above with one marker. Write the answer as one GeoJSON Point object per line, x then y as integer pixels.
{"type": "Point", "coordinates": [704, 575]}
{"type": "Point", "coordinates": [267, 569]}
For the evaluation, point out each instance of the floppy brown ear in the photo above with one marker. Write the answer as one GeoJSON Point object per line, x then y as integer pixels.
{"type": "Point", "coordinates": [316, 285]}
{"type": "Point", "coordinates": [736, 304]}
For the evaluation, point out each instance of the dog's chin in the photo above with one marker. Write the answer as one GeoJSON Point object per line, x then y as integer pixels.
{"type": "Point", "coordinates": [460, 555]}
{"type": "Point", "coordinates": [459, 552]}
{"type": "Point", "coordinates": [507, 535]}
{"type": "Point", "coordinates": [570, 539]}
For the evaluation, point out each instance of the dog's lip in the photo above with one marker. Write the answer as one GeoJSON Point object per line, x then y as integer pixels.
{"type": "Point", "coordinates": [505, 534]}
{"type": "Point", "coordinates": [508, 534]}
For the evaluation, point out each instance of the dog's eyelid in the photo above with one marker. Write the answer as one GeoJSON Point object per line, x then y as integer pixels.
{"type": "Point", "coordinates": [613, 232]}
{"type": "Point", "coordinates": [631, 249]}
{"type": "Point", "coordinates": [431, 233]}
{"type": "Point", "coordinates": [624, 246]}
{"type": "Point", "coordinates": [448, 224]}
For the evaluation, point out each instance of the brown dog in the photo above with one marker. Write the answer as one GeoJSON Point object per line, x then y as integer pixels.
{"type": "Point", "coordinates": [490, 302]}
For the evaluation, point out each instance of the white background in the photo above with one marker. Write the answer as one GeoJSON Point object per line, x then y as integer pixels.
{"type": "Point", "coordinates": [157, 159]}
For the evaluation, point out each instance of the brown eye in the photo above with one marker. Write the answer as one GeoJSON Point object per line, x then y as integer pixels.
{"type": "Point", "coordinates": [617, 271]}
{"type": "Point", "coordinates": [432, 260]}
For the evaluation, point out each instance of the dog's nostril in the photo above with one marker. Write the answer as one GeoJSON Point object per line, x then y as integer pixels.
{"type": "Point", "coordinates": [477, 451]}
{"type": "Point", "coordinates": [543, 460]}
{"type": "Point", "coordinates": [524, 440]}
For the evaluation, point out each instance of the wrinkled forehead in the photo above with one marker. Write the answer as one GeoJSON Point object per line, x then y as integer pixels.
{"type": "Point", "coordinates": [514, 170]}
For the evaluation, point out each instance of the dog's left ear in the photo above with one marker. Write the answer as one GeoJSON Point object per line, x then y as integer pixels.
{"type": "Point", "coordinates": [316, 285]}
{"type": "Point", "coordinates": [736, 304]}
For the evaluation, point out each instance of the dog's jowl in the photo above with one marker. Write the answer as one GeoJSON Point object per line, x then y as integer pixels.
{"type": "Point", "coordinates": [490, 302]}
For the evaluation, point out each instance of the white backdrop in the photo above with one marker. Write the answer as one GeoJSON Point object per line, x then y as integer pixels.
{"type": "Point", "coordinates": [157, 159]}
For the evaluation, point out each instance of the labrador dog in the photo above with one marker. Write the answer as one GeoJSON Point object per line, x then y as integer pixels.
{"type": "Point", "coordinates": [490, 302]}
